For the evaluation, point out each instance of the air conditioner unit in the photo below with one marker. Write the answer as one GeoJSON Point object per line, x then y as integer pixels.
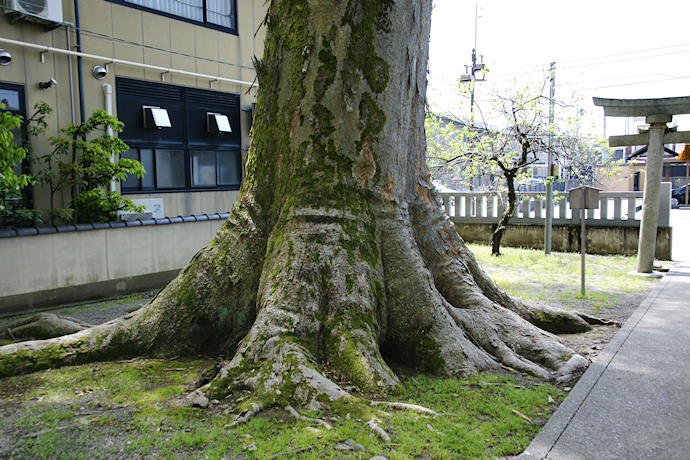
{"type": "Point", "coordinates": [42, 11]}
{"type": "Point", "coordinates": [154, 210]}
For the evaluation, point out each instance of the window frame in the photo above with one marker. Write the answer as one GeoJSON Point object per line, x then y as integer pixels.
{"type": "Point", "coordinates": [210, 25]}
{"type": "Point", "coordinates": [20, 135]}
{"type": "Point", "coordinates": [188, 107]}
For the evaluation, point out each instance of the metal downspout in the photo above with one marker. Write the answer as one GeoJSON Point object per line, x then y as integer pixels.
{"type": "Point", "coordinates": [80, 70]}
{"type": "Point", "coordinates": [71, 74]}
{"type": "Point", "coordinates": [108, 101]}
{"type": "Point", "coordinates": [80, 78]}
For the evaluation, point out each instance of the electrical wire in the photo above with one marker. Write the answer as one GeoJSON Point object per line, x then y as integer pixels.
{"type": "Point", "coordinates": [564, 64]}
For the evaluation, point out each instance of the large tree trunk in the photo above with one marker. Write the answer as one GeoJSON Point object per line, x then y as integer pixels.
{"type": "Point", "coordinates": [337, 260]}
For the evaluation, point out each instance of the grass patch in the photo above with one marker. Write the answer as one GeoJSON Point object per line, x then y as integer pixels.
{"type": "Point", "coordinates": [129, 299]}
{"type": "Point", "coordinates": [135, 409]}
{"type": "Point", "coordinates": [555, 279]}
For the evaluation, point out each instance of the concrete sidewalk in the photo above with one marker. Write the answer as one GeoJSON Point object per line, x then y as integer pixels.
{"type": "Point", "coordinates": [634, 400]}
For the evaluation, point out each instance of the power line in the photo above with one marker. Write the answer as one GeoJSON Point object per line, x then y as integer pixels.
{"type": "Point", "coordinates": [637, 83]}
{"type": "Point", "coordinates": [451, 83]}
{"type": "Point", "coordinates": [605, 57]}
{"type": "Point", "coordinates": [630, 52]}
{"type": "Point", "coordinates": [626, 60]}
{"type": "Point", "coordinates": [592, 64]}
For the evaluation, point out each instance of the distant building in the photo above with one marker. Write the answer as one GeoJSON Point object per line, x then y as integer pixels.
{"type": "Point", "coordinates": [630, 178]}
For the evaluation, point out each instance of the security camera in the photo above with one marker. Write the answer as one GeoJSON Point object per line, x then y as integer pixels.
{"type": "Point", "coordinates": [5, 57]}
{"type": "Point", "coordinates": [47, 84]}
{"type": "Point", "coordinates": [99, 72]}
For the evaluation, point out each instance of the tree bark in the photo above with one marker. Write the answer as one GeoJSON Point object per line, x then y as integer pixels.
{"type": "Point", "coordinates": [337, 260]}
{"type": "Point", "coordinates": [507, 214]}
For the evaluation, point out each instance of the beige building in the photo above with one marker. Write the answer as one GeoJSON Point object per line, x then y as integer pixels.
{"type": "Point", "coordinates": [179, 74]}
{"type": "Point", "coordinates": [629, 176]}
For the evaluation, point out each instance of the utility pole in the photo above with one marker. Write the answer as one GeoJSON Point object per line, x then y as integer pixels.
{"type": "Point", "coordinates": [473, 69]}
{"type": "Point", "coordinates": [549, 181]}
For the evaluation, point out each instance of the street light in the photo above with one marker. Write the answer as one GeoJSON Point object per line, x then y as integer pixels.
{"type": "Point", "coordinates": [475, 72]}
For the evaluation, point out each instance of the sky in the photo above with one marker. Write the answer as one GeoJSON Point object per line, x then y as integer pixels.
{"type": "Point", "coordinates": [605, 48]}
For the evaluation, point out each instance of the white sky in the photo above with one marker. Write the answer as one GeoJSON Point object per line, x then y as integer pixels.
{"type": "Point", "coordinates": [605, 48]}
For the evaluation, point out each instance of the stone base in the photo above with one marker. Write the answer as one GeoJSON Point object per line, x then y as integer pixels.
{"type": "Point", "coordinates": [653, 274]}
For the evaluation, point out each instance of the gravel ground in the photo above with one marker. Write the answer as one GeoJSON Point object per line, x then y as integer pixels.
{"type": "Point", "coordinates": [106, 310]}
{"type": "Point", "coordinates": [98, 311]}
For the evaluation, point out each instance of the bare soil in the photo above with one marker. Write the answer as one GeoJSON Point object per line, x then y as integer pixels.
{"type": "Point", "coordinates": [590, 344]}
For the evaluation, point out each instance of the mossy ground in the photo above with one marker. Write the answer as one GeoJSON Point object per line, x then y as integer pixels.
{"type": "Point", "coordinates": [136, 409]}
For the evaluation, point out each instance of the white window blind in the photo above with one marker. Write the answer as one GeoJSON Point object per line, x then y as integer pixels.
{"type": "Point", "coordinates": [218, 12]}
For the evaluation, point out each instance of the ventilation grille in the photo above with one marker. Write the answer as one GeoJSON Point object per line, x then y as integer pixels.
{"type": "Point", "coordinates": [148, 90]}
{"type": "Point", "coordinates": [33, 6]}
{"type": "Point", "coordinates": [213, 98]}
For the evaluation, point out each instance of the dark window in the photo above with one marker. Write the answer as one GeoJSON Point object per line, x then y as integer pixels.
{"type": "Point", "coordinates": [203, 169]}
{"type": "Point", "coordinates": [170, 168]}
{"type": "Point", "coordinates": [12, 97]}
{"type": "Point", "coordinates": [229, 168]}
{"type": "Point", "coordinates": [148, 182]}
{"type": "Point", "coordinates": [185, 156]}
{"type": "Point", "coordinates": [217, 14]}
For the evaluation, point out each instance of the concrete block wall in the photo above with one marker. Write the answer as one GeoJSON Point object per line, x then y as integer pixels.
{"type": "Point", "coordinates": [566, 238]}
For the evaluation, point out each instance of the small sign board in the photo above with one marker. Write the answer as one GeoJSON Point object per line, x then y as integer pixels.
{"type": "Point", "coordinates": [584, 197]}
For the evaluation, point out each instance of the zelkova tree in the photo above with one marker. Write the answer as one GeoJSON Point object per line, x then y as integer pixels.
{"type": "Point", "coordinates": [337, 261]}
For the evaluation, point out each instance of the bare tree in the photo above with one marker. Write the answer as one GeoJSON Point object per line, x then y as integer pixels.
{"type": "Point", "coordinates": [520, 136]}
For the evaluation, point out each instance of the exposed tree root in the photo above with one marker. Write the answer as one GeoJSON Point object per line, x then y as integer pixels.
{"type": "Point", "coordinates": [296, 414]}
{"type": "Point", "coordinates": [246, 414]}
{"type": "Point", "coordinates": [593, 320]}
{"type": "Point", "coordinates": [405, 406]}
{"type": "Point", "coordinates": [385, 437]}
{"type": "Point", "coordinates": [461, 280]}
{"type": "Point", "coordinates": [41, 326]}
{"type": "Point", "coordinates": [321, 310]}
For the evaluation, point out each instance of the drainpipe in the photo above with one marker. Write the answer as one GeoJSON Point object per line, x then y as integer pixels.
{"type": "Point", "coordinates": [108, 95]}
{"type": "Point", "coordinates": [112, 60]}
{"type": "Point", "coordinates": [71, 73]}
{"type": "Point", "coordinates": [80, 78]}
{"type": "Point", "coordinates": [80, 70]}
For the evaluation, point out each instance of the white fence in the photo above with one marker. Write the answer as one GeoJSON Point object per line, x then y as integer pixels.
{"type": "Point", "coordinates": [616, 209]}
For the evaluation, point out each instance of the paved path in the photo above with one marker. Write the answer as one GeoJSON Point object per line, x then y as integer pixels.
{"type": "Point", "coordinates": [634, 400]}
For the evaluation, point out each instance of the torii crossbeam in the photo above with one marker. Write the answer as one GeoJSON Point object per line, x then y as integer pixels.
{"type": "Point", "coordinates": [657, 113]}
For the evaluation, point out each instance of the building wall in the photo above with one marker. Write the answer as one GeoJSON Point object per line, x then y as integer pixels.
{"type": "Point", "coordinates": [125, 33]}
{"type": "Point", "coordinates": [69, 265]}
{"type": "Point", "coordinates": [619, 180]}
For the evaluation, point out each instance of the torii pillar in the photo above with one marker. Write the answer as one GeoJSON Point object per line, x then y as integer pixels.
{"type": "Point", "coordinates": [657, 113]}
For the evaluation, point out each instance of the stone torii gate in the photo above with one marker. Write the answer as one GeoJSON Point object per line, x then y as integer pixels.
{"type": "Point", "coordinates": [657, 113]}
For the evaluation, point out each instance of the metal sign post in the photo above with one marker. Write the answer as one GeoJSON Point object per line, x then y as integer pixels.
{"type": "Point", "coordinates": [583, 198]}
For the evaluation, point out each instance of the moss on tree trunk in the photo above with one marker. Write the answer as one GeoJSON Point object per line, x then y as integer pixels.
{"type": "Point", "coordinates": [337, 259]}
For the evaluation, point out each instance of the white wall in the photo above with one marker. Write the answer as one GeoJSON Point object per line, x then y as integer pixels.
{"type": "Point", "coordinates": [52, 268]}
